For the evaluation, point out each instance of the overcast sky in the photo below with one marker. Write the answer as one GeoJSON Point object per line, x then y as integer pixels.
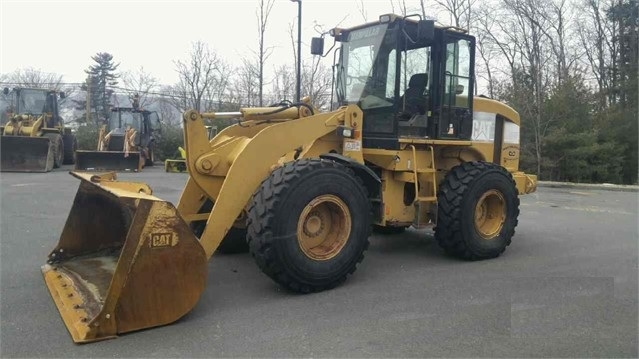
{"type": "Point", "coordinates": [61, 36]}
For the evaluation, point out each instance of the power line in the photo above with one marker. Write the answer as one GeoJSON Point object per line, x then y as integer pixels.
{"type": "Point", "coordinates": [243, 95]}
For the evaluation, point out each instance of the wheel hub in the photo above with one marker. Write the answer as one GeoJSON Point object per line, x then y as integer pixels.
{"type": "Point", "coordinates": [323, 227]}
{"type": "Point", "coordinates": [314, 225]}
{"type": "Point", "coordinates": [490, 214]}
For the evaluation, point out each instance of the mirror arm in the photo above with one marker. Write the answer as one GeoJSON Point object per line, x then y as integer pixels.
{"type": "Point", "coordinates": [329, 50]}
{"type": "Point", "coordinates": [404, 27]}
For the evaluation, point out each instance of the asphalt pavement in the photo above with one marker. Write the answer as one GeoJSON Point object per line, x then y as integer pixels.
{"type": "Point", "coordinates": [566, 287]}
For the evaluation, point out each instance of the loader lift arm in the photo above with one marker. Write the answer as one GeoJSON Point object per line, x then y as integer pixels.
{"type": "Point", "coordinates": [229, 168]}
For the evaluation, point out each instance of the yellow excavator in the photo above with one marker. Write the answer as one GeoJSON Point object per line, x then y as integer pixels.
{"type": "Point", "coordinates": [409, 145]}
{"type": "Point", "coordinates": [33, 136]}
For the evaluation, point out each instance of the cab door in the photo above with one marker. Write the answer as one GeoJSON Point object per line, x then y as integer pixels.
{"type": "Point", "coordinates": [457, 78]}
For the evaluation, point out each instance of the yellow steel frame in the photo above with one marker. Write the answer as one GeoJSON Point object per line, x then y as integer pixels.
{"type": "Point", "coordinates": [231, 166]}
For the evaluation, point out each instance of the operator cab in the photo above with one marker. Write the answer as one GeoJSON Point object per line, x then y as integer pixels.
{"type": "Point", "coordinates": [31, 101]}
{"type": "Point", "coordinates": [142, 121]}
{"type": "Point", "coordinates": [410, 78]}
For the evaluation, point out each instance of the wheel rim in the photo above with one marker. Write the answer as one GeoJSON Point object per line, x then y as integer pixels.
{"type": "Point", "coordinates": [490, 214]}
{"type": "Point", "coordinates": [323, 227]}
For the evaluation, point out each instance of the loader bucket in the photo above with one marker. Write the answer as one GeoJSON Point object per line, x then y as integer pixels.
{"type": "Point", "coordinates": [107, 161]}
{"type": "Point", "coordinates": [125, 261]}
{"type": "Point", "coordinates": [25, 154]}
{"type": "Point", "coordinates": [175, 166]}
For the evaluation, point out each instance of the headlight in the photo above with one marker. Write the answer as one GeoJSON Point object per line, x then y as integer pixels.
{"type": "Point", "coordinates": [345, 131]}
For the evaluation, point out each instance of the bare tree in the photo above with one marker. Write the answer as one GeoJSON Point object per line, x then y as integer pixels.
{"type": "Point", "coordinates": [595, 36]}
{"type": "Point", "coordinates": [401, 5]}
{"type": "Point", "coordinates": [141, 83]}
{"type": "Point", "coordinates": [198, 75]}
{"type": "Point", "coordinates": [316, 83]}
{"type": "Point", "coordinates": [459, 11]}
{"type": "Point", "coordinates": [215, 96]}
{"type": "Point", "coordinates": [244, 87]}
{"type": "Point", "coordinates": [263, 12]}
{"type": "Point", "coordinates": [30, 77]}
{"type": "Point", "coordinates": [283, 86]}
{"type": "Point", "coordinates": [485, 50]}
{"type": "Point", "coordinates": [167, 112]}
{"type": "Point", "coordinates": [529, 32]}
{"type": "Point", "coordinates": [362, 10]}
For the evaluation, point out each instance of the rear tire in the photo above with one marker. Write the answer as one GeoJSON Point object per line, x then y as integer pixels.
{"type": "Point", "coordinates": [234, 241]}
{"type": "Point", "coordinates": [70, 146]}
{"type": "Point", "coordinates": [478, 208]}
{"type": "Point", "coordinates": [57, 146]}
{"type": "Point", "coordinates": [308, 225]}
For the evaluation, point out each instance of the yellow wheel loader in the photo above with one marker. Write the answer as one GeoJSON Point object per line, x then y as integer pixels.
{"type": "Point", "coordinates": [178, 164]}
{"type": "Point", "coordinates": [409, 145]}
{"type": "Point", "coordinates": [125, 143]}
{"type": "Point", "coordinates": [33, 138]}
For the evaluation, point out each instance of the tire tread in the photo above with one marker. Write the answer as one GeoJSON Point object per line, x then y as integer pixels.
{"type": "Point", "coordinates": [448, 231]}
{"type": "Point", "coordinates": [261, 217]}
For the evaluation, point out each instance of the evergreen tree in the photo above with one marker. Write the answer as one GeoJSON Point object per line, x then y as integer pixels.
{"type": "Point", "coordinates": [624, 14]}
{"type": "Point", "coordinates": [102, 75]}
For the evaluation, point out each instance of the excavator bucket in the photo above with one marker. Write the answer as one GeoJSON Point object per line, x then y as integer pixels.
{"type": "Point", "coordinates": [25, 154]}
{"type": "Point", "coordinates": [107, 161]}
{"type": "Point", "coordinates": [125, 261]}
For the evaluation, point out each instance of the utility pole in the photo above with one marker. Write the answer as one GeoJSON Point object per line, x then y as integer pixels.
{"type": "Point", "coordinates": [88, 110]}
{"type": "Point", "coordinates": [299, 49]}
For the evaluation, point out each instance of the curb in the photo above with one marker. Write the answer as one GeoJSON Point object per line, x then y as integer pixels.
{"type": "Point", "coordinates": [596, 186]}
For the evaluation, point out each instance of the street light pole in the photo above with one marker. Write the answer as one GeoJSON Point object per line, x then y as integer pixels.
{"type": "Point", "coordinates": [299, 49]}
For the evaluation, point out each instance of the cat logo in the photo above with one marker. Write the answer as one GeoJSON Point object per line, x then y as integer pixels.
{"type": "Point", "coordinates": [511, 152]}
{"type": "Point", "coordinates": [162, 240]}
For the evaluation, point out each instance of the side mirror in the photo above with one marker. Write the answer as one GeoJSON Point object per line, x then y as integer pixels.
{"type": "Point", "coordinates": [62, 94]}
{"type": "Point", "coordinates": [425, 30]}
{"type": "Point", "coordinates": [459, 89]}
{"type": "Point", "coordinates": [317, 46]}
{"type": "Point", "coordinates": [5, 91]}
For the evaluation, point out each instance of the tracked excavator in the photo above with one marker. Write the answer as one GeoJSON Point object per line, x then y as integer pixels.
{"type": "Point", "coordinates": [408, 145]}
{"type": "Point", "coordinates": [33, 136]}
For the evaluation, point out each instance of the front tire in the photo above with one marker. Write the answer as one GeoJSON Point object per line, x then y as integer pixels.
{"type": "Point", "coordinates": [149, 157]}
{"type": "Point", "coordinates": [478, 208]}
{"type": "Point", "coordinates": [57, 146]}
{"type": "Point", "coordinates": [308, 225]}
{"type": "Point", "coordinates": [234, 241]}
{"type": "Point", "coordinates": [70, 146]}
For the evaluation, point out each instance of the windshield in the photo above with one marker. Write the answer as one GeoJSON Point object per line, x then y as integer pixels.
{"type": "Point", "coordinates": [124, 119]}
{"type": "Point", "coordinates": [362, 71]}
{"type": "Point", "coordinates": [32, 101]}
